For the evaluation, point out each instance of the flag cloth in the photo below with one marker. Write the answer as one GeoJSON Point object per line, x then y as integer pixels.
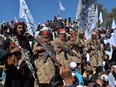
{"type": "Point", "coordinates": [96, 14]}
{"type": "Point", "coordinates": [113, 24]}
{"type": "Point", "coordinates": [88, 20]}
{"type": "Point", "coordinates": [86, 4]}
{"type": "Point", "coordinates": [113, 39]}
{"type": "Point", "coordinates": [26, 14]}
{"type": "Point", "coordinates": [61, 6]}
{"type": "Point", "coordinates": [82, 6]}
{"type": "Point", "coordinates": [100, 18]}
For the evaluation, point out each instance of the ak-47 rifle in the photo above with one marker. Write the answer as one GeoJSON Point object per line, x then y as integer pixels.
{"type": "Point", "coordinates": [69, 51]}
{"type": "Point", "coordinates": [49, 52]}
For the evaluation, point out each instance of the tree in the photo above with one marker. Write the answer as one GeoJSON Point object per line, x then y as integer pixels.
{"type": "Point", "coordinates": [107, 16]}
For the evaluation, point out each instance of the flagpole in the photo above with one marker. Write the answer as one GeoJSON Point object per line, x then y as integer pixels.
{"type": "Point", "coordinates": [59, 11]}
{"type": "Point", "coordinates": [59, 8]}
{"type": "Point", "coordinates": [18, 19]}
{"type": "Point", "coordinates": [97, 16]}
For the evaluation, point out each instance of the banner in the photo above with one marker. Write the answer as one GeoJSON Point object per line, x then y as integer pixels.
{"type": "Point", "coordinates": [88, 19]}
{"type": "Point", "coordinates": [82, 6]}
{"type": "Point", "coordinates": [26, 14]}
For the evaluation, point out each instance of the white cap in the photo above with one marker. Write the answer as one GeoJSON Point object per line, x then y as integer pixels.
{"type": "Point", "coordinates": [73, 74]}
{"type": "Point", "coordinates": [114, 66]}
{"type": "Point", "coordinates": [105, 77]}
{"type": "Point", "coordinates": [73, 65]}
{"type": "Point", "coordinates": [44, 28]}
{"type": "Point", "coordinates": [79, 86]}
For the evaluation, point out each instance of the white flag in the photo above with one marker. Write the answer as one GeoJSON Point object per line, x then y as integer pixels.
{"type": "Point", "coordinates": [100, 18]}
{"type": "Point", "coordinates": [113, 39]}
{"type": "Point", "coordinates": [113, 24]}
{"type": "Point", "coordinates": [26, 14]}
{"type": "Point", "coordinates": [61, 6]}
{"type": "Point", "coordinates": [96, 14]}
{"type": "Point", "coordinates": [79, 9]}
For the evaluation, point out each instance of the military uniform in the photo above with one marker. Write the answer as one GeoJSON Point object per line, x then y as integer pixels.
{"type": "Point", "coordinates": [76, 57]}
{"type": "Point", "coordinates": [61, 56]}
{"type": "Point", "coordinates": [97, 46]}
{"type": "Point", "coordinates": [58, 44]}
{"type": "Point", "coordinates": [82, 42]}
{"type": "Point", "coordinates": [45, 70]}
{"type": "Point", "coordinates": [93, 60]}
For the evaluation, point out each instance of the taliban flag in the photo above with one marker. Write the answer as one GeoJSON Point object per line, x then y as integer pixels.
{"type": "Point", "coordinates": [26, 14]}
{"type": "Point", "coordinates": [82, 6]}
{"type": "Point", "coordinates": [88, 20]}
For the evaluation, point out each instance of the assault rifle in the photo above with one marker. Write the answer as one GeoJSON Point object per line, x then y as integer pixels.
{"type": "Point", "coordinates": [69, 51]}
{"type": "Point", "coordinates": [49, 52]}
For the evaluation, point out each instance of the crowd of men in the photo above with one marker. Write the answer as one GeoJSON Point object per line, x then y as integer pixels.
{"type": "Point", "coordinates": [59, 56]}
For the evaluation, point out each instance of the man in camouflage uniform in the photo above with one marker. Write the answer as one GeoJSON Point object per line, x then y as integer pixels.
{"type": "Point", "coordinates": [74, 46]}
{"type": "Point", "coordinates": [94, 42]}
{"type": "Point", "coordinates": [45, 69]}
{"type": "Point", "coordinates": [60, 45]}
{"type": "Point", "coordinates": [93, 57]}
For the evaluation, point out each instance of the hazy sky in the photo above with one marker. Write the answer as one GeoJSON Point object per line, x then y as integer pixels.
{"type": "Point", "coordinates": [43, 10]}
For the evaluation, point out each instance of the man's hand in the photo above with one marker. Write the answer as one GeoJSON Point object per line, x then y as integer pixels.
{"type": "Point", "coordinates": [66, 75]}
{"type": "Point", "coordinates": [16, 49]}
{"type": "Point", "coordinates": [38, 48]}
